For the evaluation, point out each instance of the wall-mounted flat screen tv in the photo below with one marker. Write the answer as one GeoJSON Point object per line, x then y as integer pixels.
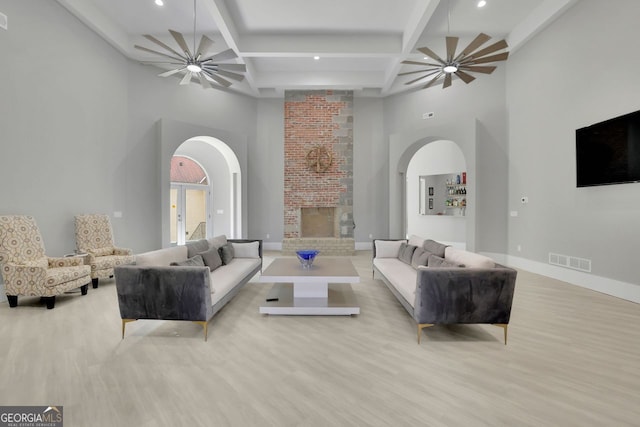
{"type": "Point", "coordinates": [609, 152]}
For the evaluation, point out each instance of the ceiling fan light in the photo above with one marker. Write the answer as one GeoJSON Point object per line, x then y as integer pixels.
{"type": "Point", "coordinates": [159, 2]}
{"type": "Point", "coordinates": [482, 3]}
{"type": "Point", "coordinates": [450, 68]}
{"type": "Point", "coordinates": [194, 68]}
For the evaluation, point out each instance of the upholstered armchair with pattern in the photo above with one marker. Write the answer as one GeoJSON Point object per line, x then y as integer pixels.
{"type": "Point", "coordinates": [27, 271]}
{"type": "Point", "coordinates": [95, 237]}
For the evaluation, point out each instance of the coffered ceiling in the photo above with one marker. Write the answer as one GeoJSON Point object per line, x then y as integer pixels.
{"type": "Point", "coordinates": [361, 43]}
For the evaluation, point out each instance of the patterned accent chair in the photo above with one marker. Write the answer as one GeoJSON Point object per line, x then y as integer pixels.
{"type": "Point", "coordinates": [95, 237]}
{"type": "Point", "coordinates": [27, 271]}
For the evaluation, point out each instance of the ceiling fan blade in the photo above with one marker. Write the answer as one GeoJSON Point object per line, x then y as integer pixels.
{"type": "Point", "coordinates": [502, 44]}
{"type": "Point", "coordinates": [447, 81]}
{"type": "Point", "coordinates": [422, 77]}
{"type": "Point", "coordinates": [430, 54]}
{"type": "Point", "coordinates": [186, 79]}
{"type": "Point", "coordinates": [157, 53]}
{"type": "Point", "coordinates": [232, 67]}
{"type": "Point", "coordinates": [481, 39]}
{"type": "Point", "coordinates": [481, 69]}
{"type": "Point", "coordinates": [203, 81]}
{"type": "Point", "coordinates": [427, 70]}
{"type": "Point", "coordinates": [223, 82]}
{"type": "Point", "coordinates": [203, 47]}
{"type": "Point", "coordinates": [172, 72]}
{"type": "Point", "coordinates": [222, 56]}
{"type": "Point", "coordinates": [234, 76]}
{"type": "Point", "coordinates": [492, 58]}
{"type": "Point", "coordinates": [181, 42]}
{"type": "Point", "coordinates": [421, 63]}
{"type": "Point", "coordinates": [467, 78]}
{"type": "Point", "coordinates": [433, 80]}
{"type": "Point", "coordinates": [160, 43]}
{"type": "Point", "coordinates": [452, 43]}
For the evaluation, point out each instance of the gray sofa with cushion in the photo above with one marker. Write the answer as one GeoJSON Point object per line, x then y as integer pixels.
{"type": "Point", "coordinates": [191, 282]}
{"type": "Point", "coordinates": [439, 284]}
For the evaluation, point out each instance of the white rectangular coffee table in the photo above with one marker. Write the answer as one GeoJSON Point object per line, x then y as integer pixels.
{"type": "Point", "coordinates": [324, 289]}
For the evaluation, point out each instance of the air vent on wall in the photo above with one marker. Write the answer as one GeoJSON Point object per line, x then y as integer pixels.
{"type": "Point", "coordinates": [4, 23]}
{"type": "Point", "coordinates": [572, 262]}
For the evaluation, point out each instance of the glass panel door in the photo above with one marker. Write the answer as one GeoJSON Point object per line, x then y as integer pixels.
{"type": "Point", "coordinates": [174, 215]}
{"type": "Point", "coordinates": [189, 213]}
{"type": "Point", "coordinates": [195, 214]}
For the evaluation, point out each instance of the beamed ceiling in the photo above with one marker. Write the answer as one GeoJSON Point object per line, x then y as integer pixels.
{"type": "Point", "coordinates": [361, 43]}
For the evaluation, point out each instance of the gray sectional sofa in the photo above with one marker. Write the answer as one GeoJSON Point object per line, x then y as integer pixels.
{"type": "Point", "coordinates": [191, 282]}
{"type": "Point", "coordinates": [439, 284]}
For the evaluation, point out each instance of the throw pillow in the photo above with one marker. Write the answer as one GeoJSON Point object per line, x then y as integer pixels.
{"type": "Point", "coordinates": [194, 248]}
{"type": "Point", "coordinates": [218, 241]}
{"type": "Point", "coordinates": [388, 248]}
{"type": "Point", "coordinates": [211, 258]}
{"type": "Point", "coordinates": [226, 253]}
{"type": "Point", "coordinates": [406, 253]}
{"type": "Point", "coordinates": [195, 261]}
{"type": "Point", "coordinates": [469, 259]}
{"type": "Point", "coordinates": [416, 240]}
{"type": "Point", "coordinates": [434, 247]}
{"type": "Point", "coordinates": [438, 262]}
{"type": "Point", "coordinates": [246, 250]}
{"type": "Point", "coordinates": [420, 257]}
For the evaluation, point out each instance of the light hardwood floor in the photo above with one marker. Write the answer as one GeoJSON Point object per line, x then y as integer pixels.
{"type": "Point", "coordinates": [573, 359]}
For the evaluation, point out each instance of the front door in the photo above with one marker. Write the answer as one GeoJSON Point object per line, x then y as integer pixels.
{"type": "Point", "coordinates": [189, 213]}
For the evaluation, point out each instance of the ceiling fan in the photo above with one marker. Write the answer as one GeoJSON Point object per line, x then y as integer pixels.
{"type": "Point", "coordinates": [461, 65]}
{"type": "Point", "coordinates": [208, 69]}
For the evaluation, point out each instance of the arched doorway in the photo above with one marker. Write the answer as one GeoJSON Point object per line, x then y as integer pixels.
{"type": "Point", "coordinates": [435, 194]}
{"type": "Point", "coordinates": [219, 200]}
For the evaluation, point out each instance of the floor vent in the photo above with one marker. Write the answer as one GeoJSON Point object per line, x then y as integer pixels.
{"type": "Point", "coordinates": [570, 262]}
{"type": "Point", "coordinates": [3, 21]}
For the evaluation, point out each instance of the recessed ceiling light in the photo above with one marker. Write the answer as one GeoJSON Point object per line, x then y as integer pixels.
{"type": "Point", "coordinates": [159, 2]}
{"type": "Point", "coordinates": [482, 3]}
{"type": "Point", "coordinates": [316, 57]}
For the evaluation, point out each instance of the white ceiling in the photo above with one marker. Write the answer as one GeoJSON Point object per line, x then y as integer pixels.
{"type": "Point", "coordinates": [361, 42]}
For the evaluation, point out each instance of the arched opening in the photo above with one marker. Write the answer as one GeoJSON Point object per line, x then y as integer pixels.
{"type": "Point", "coordinates": [402, 147]}
{"type": "Point", "coordinates": [216, 197]}
{"type": "Point", "coordinates": [436, 193]}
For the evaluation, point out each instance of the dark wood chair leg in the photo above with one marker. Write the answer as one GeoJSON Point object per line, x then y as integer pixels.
{"type": "Point", "coordinates": [13, 300]}
{"type": "Point", "coordinates": [51, 302]}
{"type": "Point", "coordinates": [84, 289]}
{"type": "Point", "coordinates": [95, 283]}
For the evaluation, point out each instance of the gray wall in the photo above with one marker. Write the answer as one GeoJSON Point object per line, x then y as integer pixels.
{"type": "Point", "coordinates": [63, 133]}
{"type": "Point", "coordinates": [89, 141]}
{"type": "Point", "coordinates": [370, 176]}
{"type": "Point", "coordinates": [582, 69]}
{"type": "Point", "coordinates": [266, 181]}
{"type": "Point", "coordinates": [476, 112]}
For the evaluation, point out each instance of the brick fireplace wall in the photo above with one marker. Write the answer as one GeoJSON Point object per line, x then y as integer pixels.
{"type": "Point", "coordinates": [318, 119]}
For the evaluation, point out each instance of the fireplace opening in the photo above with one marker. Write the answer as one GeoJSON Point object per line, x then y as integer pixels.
{"type": "Point", "coordinates": [318, 222]}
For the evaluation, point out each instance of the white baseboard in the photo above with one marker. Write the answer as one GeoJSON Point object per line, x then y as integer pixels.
{"type": "Point", "coordinates": [616, 288]}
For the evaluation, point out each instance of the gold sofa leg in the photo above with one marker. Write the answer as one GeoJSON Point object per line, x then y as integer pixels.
{"type": "Point", "coordinates": [204, 325]}
{"type": "Point", "coordinates": [124, 322]}
{"type": "Point", "coordinates": [503, 326]}
{"type": "Point", "coordinates": [421, 326]}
